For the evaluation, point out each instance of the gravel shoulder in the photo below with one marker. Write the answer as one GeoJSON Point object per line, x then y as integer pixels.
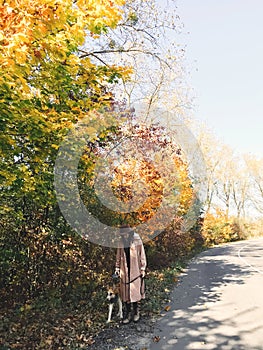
{"type": "Point", "coordinates": [134, 336]}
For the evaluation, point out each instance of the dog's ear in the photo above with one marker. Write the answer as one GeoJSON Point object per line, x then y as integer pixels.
{"type": "Point", "coordinates": [109, 287]}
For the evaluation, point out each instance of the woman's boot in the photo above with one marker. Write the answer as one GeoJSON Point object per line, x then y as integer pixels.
{"type": "Point", "coordinates": [127, 314]}
{"type": "Point", "coordinates": [136, 312]}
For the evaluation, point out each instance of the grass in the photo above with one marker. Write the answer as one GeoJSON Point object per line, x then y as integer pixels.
{"type": "Point", "coordinates": [159, 284]}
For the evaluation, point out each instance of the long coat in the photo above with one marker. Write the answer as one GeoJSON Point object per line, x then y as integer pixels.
{"type": "Point", "coordinates": [133, 290]}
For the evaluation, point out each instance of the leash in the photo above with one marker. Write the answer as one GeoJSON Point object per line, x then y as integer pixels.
{"type": "Point", "coordinates": [132, 280]}
{"type": "Point", "coordinates": [142, 280]}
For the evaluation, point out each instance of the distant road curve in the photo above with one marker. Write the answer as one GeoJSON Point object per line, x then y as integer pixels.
{"type": "Point", "coordinates": [247, 259]}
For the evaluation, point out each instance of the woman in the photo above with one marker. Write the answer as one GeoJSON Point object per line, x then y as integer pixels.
{"type": "Point", "coordinates": [131, 265]}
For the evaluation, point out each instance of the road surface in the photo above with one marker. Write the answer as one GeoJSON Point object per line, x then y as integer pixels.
{"type": "Point", "coordinates": [218, 303]}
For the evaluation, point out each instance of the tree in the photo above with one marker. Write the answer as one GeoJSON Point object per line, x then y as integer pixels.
{"type": "Point", "coordinates": [227, 175]}
{"type": "Point", "coordinates": [241, 196]}
{"type": "Point", "coordinates": [45, 88]}
{"type": "Point", "coordinates": [254, 167]}
{"type": "Point", "coordinates": [146, 181]}
{"type": "Point", "coordinates": [211, 148]}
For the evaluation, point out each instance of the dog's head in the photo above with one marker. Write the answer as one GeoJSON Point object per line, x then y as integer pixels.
{"type": "Point", "coordinates": [112, 294]}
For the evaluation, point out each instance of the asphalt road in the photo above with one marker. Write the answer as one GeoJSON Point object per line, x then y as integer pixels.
{"type": "Point", "coordinates": [218, 303]}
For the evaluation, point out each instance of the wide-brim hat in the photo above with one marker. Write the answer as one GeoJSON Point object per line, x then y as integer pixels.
{"type": "Point", "coordinates": [126, 229]}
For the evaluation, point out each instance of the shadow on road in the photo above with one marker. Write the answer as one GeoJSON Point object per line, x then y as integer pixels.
{"type": "Point", "coordinates": [199, 319]}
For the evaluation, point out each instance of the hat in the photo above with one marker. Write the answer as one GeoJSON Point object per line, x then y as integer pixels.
{"type": "Point", "coordinates": [125, 229]}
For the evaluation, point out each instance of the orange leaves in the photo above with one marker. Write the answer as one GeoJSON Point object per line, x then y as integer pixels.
{"type": "Point", "coordinates": [139, 175]}
{"type": "Point", "coordinates": [129, 173]}
{"type": "Point", "coordinates": [167, 308]}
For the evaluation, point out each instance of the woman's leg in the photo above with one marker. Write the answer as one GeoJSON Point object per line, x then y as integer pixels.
{"type": "Point", "coordinates": [127, 313]}
{"type": "Point", "coordinates": [136, 310]}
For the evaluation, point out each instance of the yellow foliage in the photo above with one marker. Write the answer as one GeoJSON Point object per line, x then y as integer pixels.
{"type": "Point", "coordinates": [33, 31]}
{"type": "Point", "coordinates": [217, 229]}
{"type": "Point", "coordinates": [45, 86]}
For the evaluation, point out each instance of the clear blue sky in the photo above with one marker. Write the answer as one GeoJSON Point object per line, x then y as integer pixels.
{"type": "Point", "coordinates": [225, 56]}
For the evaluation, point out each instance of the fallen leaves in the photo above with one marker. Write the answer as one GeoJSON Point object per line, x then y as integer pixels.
{"type": "Point", "coordinates": [65, 327]}
{"type": "Point", "coordinates": [167, 308]}
{"type": "Point", "coordinates": [156, 338]}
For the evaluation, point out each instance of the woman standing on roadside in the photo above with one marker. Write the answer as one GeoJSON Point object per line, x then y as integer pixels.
{"type": "Point", "coordinates": [131, 265]}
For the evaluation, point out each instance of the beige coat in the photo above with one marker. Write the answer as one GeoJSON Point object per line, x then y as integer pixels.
{"type": "Point", "coordinates": [134, 291]}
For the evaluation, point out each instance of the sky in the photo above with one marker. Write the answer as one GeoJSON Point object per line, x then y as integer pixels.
{"type": "Point", "coordinates": [224, 55]}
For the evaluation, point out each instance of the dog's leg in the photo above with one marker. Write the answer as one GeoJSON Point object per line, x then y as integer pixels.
{"type": "Point", "coordinates": [120, 308]}
{"type": "Point", "coordinates": [110, 312]}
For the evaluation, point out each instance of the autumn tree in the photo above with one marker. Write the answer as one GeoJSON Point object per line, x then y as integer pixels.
{"type": "Point", "coordinates": [230, 188]}
{"type": "Point", "coordinates": [45, 88]}
{"type": "Point", "coordinates": [254, 166]}
{"type": "Point", "coordinates": [241, 185]}
{"type": "Point", "coordinates": [140, 158]}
